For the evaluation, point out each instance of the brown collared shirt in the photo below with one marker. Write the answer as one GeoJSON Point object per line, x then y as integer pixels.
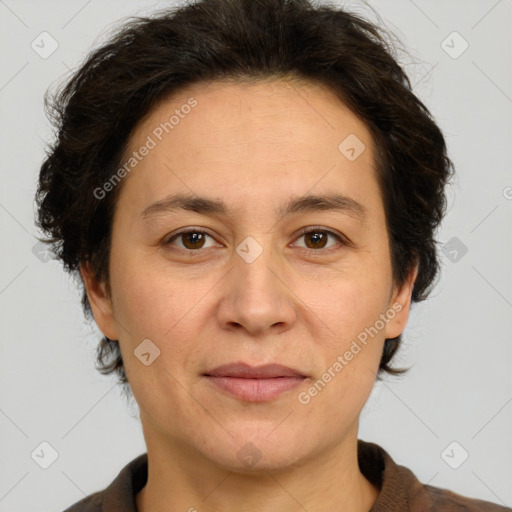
{"type": "Point", "coordinates": [400, 490]}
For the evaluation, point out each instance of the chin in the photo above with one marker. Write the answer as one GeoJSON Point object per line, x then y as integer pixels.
{"type": "Point", "coordinates": [252, 454]}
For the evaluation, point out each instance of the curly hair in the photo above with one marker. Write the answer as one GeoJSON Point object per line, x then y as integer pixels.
{"type": "Point", "coordinates": [148, 58]}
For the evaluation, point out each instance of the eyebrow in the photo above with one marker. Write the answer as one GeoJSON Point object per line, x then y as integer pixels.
{"type": "Point", "coordinates": [302, 204]}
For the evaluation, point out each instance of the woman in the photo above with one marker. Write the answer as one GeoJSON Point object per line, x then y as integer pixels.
{"type": "Point", "coordinates": [249, 191]}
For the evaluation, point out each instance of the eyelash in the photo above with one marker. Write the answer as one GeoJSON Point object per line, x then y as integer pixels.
{"type": "Point", "coordinates": [303, 231]}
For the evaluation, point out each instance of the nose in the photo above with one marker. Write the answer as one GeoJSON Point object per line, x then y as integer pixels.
{"type": "Point", "coordinates": [256, 295]}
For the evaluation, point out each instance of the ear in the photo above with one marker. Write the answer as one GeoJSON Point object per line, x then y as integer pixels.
{"type": "Point", "coordinates": [401, 304]}
{"type": "Point", "coordinates": [100, 302]}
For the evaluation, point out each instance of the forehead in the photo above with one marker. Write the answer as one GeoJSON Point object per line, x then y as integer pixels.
{"type": "Point", "coordinates": [275, 112]}
{"type": "Point", "coordinates": [251, 137]}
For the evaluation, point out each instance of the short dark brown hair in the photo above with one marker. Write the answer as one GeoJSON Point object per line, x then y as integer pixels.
{"type": "Point", "coordinates": [148, 58]}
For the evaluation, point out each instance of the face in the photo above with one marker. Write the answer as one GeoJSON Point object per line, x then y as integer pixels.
{"type": "Point", "coordinates": [308, 287]}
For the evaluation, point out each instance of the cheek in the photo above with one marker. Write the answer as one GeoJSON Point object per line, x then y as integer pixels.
{"type": "Point", "coordinates": [146, 301]}
{"type": "Point", "coordinates": [352, 347]}
{"type": "Point", "coordinates": [351, 356]}
{"type": "Point", "coordinates": [346, 304]}
{"type": "Point", "coordinates": [151, 303]}
{"type": "Point", "coordinates": [150, 306]}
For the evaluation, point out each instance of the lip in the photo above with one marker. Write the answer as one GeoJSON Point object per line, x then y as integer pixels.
{"type": "Point", "coordinates": [255, 383]}
{"type": "Point", "coordinates": [247, 371]}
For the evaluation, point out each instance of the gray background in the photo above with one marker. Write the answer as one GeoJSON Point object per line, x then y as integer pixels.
{"type": "Point", "coordinates": [459, 341]}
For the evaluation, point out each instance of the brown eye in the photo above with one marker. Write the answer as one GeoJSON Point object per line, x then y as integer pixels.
{"type": "Point", "coordinates": [190, 240]}
{"type": "Point", "coordinates": [317, 239]}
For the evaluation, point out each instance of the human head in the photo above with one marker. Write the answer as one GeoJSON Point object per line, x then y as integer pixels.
{"type": "Point", "coordinates": [150, 58]}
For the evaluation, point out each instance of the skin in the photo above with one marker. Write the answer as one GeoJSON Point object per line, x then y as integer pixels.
{"type": "Point", "coordinates": [255, 145]}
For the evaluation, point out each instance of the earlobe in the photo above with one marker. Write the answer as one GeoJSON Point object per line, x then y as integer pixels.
{"type": "Point", "coordinates": [100, 302]}
{"type": "Point", "coordinates": [400, 305]}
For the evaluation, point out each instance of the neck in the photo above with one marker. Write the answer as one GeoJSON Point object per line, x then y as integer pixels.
{"type": "Point", "coordinates": [179, 479]}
